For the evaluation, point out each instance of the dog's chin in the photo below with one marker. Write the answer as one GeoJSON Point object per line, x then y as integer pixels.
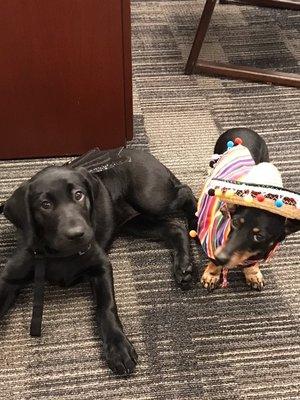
{"type": "Point", "coordinates": [65, 249]}
{"type": "Point", "coordinates": [237, 258]}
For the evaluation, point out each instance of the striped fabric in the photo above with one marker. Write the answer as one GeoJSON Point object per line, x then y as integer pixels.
{"type": "Point", "coordinates": [213, 226]}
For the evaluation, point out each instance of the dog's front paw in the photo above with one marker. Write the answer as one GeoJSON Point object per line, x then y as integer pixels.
{"type": "Point", "coordinates": [211, 277]}
{"type": "Point", "coordinates": [120, 356]}
{"type": "Point", "coordinates": [183, 272]}
{"type": "Point", "coordinates": [255, 280]}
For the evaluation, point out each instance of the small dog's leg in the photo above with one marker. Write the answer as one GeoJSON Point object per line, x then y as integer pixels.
{"type": "Point", "coordinates": [254, 277]}
{"type": "Point", "coordinates": [211, 276]}
{"type": "Point", "coordinates": [119, 352]}
{"type": "Point", "coordinates": [17, 272]}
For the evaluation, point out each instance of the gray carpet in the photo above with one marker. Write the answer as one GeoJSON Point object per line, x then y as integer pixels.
{"type": "Point", "coordinates": [232, 344]}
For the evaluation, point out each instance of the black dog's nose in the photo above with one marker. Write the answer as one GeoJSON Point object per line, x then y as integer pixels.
{"type": "Point", "coordinates": [222, 258]}
{"type": "Point", "coordinates": [75, 233]}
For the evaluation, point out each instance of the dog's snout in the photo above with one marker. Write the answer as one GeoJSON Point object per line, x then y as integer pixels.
{"type": "Point", "coordinates": [222, 258]}
{"type": "Point", "coordinates": [75, 232]}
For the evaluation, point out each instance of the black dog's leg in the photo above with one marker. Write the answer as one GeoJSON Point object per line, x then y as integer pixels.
{"type": "Point", "coordinates": [175, 234]}
{"type": "Point", "coordinates": [189, 208]}
{"type": "Point", "coordinates": [119, 352]}
{"type": "Point", "coordinates": [17, 272]}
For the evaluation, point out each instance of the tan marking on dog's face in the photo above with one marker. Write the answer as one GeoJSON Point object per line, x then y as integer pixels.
{"type": "Point", "coordinates": [256, 230]}
{"type": "Point", "coordinates": [242, 220]}
{"type": "Point", "coordinates": [238, 258]}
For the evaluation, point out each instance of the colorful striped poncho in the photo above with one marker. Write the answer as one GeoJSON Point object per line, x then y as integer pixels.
{"type": "Point", "coordinates": [213, 226]}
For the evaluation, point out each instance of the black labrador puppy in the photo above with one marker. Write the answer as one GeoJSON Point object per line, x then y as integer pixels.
{"type": "Point", "coordinates": [70, 216]}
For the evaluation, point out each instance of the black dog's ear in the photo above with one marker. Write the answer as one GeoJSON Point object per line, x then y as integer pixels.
{"type": "Point", "coordinates": [17, 210]}
{"type": "Point", "coordinates": [14, 207]}
{"type": "Point", "coordinates": [291, 226]}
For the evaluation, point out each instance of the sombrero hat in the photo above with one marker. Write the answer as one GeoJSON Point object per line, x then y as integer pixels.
{"type": "Point", "coordinates": [261, 188]}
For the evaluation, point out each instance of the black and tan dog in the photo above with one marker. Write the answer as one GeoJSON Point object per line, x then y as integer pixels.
{"type": "Point", "coordinates": [70, 217]}
{"type": "Point", "coordinates": [253, 233]}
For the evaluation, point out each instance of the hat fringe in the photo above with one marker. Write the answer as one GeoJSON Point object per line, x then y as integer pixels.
{"type": "Point", "coordinates": [268, 198]}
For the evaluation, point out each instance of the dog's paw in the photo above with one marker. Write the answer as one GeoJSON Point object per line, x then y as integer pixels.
{"type": "Point", "coordinates": [210, 281]}
{"type": "Point", "coordinates": [121, 356]}
{"type": "Point", "coordinates": [255, 281]}
{"type": "Point", "coordinates": [254, 277]}
{"type": "Point", "coordinates": [184, 275]}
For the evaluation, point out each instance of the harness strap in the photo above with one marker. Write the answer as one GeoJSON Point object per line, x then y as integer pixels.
{"type": "Point", "coordinates": [38, 297]}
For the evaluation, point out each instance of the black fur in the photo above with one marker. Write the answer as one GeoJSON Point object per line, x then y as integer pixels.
{"type": "Point", "coordinates": [72, 216]}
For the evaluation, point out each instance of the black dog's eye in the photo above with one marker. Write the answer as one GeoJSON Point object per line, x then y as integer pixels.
{"type": "Point", "coordinates": [258, 238]}
{"type": "Point", "coordinates": [78, 195]}
{"type": "Point", "coordinates": [46, 205]}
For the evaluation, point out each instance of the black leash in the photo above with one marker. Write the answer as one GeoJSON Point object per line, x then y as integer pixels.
{"type": "Point", "coordinates": [40, 265]}
{"type": "Point", "coordinates": [38, 297]}
{"type": "Point", "coordinates": [96, 160]}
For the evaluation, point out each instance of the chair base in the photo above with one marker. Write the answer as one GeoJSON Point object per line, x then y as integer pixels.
{"type": "Point", "coordinates": [247, 73]}
{"type": "Point", "coordinates": [287, 4]}
{"type": "Point", "coordinates": [230, 70]}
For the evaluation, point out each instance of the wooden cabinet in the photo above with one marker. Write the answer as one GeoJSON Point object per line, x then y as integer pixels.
{"type": "Point", "coordinates": [65, 76]}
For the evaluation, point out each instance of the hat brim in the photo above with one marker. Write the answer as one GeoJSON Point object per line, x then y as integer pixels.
{"type": "Point", "coordinates": [291, 200]}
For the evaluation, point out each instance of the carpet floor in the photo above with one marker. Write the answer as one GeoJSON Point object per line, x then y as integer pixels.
{"type": "Point", "coordinates": [233, 343]}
